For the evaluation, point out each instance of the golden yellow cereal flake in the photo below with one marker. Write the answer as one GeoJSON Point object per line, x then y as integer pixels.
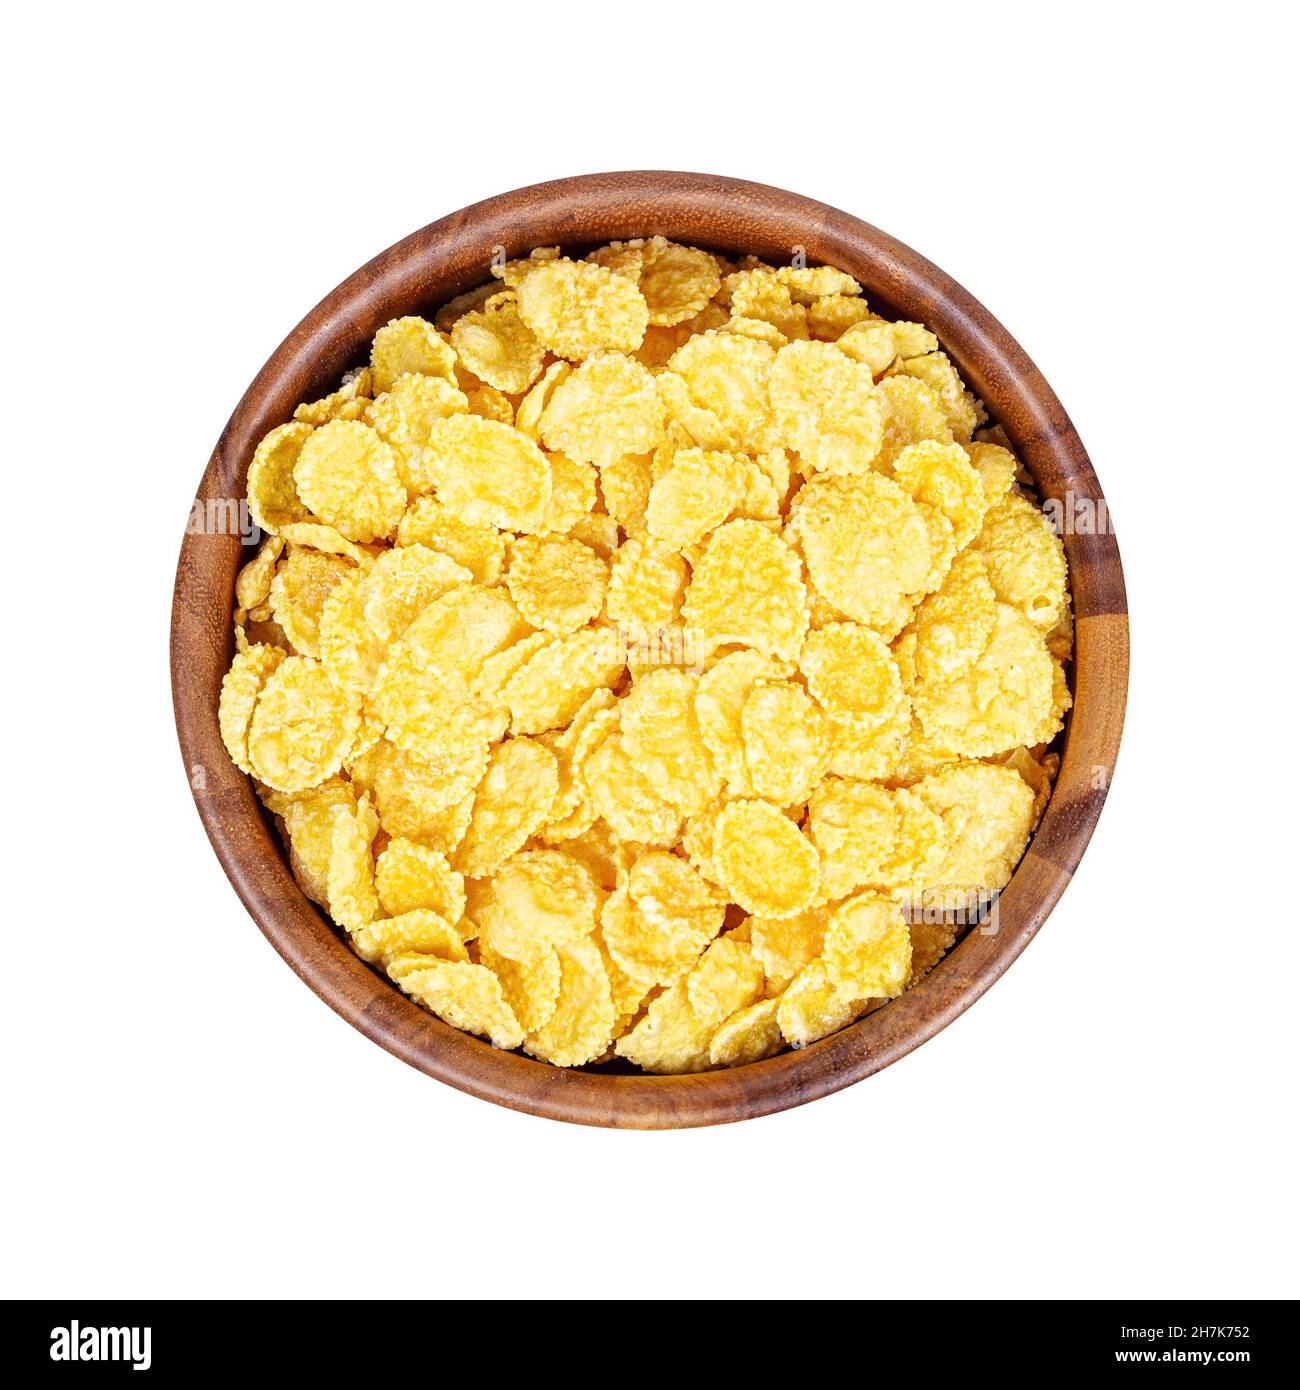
{"type": "Point", "coordinates": [747, 589]}
{"type": "Point", "coordinates": [825, 407]}
{"type": "Point", "coordinates": [1024, 560]}
{"type": "Point", "coordinates": [557, 584]}
{"type": "Point", "coordinates": [697, 493]}
{"type": "Point", "coordinates": [787, 742]}
{"type": "Point", "coordinates": [763, 861]}
{"type": "Point", "coordinates": [419, 931]}
{"type": "Point", "coordinates": [606, 408]}
{"type": "Point", "coordinates": [749, 1035]}
{"type": "Point", "coordinates": [351, 879]}
{"type": "Point", "coordinates": [466, 995]}
{"type": "Point", "coordinates": [498, 347]}
{"type": "Point", "coordinates": [725, 375]}
{"type": "Point", "coordinates": [409, 345]}
{"type": "Point", "coordinates": [405, 416]}
{"type": "Point", "coordinates": [410, 876]}
{"type": "Point", "coordinates": [868, 948]}
{"type": "Point", "coordinates": [273, 500]}
{"type": "Point", "coordinates": [512, 801]}
{"type": "Point", "coordinates": [240, 689]}
{"type": "Point", "coordinates": [539, 897]}
{"type": "Point", "coordinates": [575, 308]}
{"type": "Point", "coordinates": [647, 584]}
{"type": "Point", "coordinates": [812, 1007]}
{"type": "Point", "coordinates": [866, 545]}
{"type": "Point", "coordinates": [302, 727]}
{"type": "Point", "coordinates": [487, 474]}
{"type": "Point", "coordinates": [676, 281]}
{"type": "Point", "coordinates": [348, 476]}
{"type": "Point", "coordinates": [663, 740]}
{"type": "Point", "coordinates": [550, 688]}
{"type": "Point", "coordinates": [854, 826]}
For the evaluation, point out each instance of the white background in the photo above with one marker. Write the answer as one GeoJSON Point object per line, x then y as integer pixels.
{"type": "Point", "coordinates": [182, 1117]}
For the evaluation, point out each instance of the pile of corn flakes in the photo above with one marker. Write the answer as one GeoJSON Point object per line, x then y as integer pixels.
{"type": "Point", "coordinates": [650, 657]}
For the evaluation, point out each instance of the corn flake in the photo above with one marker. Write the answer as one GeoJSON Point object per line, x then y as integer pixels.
{"type": "Point", "coordinates": [557, 584]}
{"type": "Point", "coordinates": [479, 549]}
{"type": "Point", "coordinates": [1003, 699]}
{"type": "Point", "coordinates": [719, 709]}
{"type": "Point", "coordinates": [418, 932]}
{"type": "Point", "coordinates": [309, 822]}
{"type": "Point", "coordinates": [747, 589]}
{"type": "Point", "coordinates": [513, 800]}
{"type": "Point", "coordinates": [783, 946]}
{"type": "Point", "coordinates": [787, 742]}
{"type": "Point", "coordinates": [854, 826]}
{"type": "Point", "coordinates": [351, 878]}
{"type": "Point", "coordinates": [868, 948]}
{"type": "Point", "coordinates": [725, 375]}
{"type": "Point", "coordinates": [866, 545]}
{"type": "Point", "coordinates": [575, 308]}
{"type": "Point", "coordinates": [487, 474]}
{"type": "Point", "coordinates": [812, 1007]}
{"type": "Point", "coordinates": [409, 345]}
{"type": "Point", "coordinates": [647, 584]}
{"type": "Point", "coordinates": [405, 416]}
{"type": "Point", "coordinates": [676, 281]}
{"type": "Point", "coordinates": [765, 864]}
{"type": "Point", "coordinates": [531, 986]}
{"type": "Point", "coordinates": [605, 409]}
{"type": "Point", "coordinates": [1024, 560]}
{"type": "Point", "coordinates": [698, 492]}
{"type": "Point", "coordinates": [348, 476]}
{"type": "Point", "coordinates": [466, 995]}
{"type": "Point", "coordinates": [825, 407]}
{"type": "Point", "coordinates": [410, 876]}
{"type": "Point", "coordinates": [241, 687]}
{"type": "Point", "coordinates": [663, 741]}
{"type": "Point", "coordinates": [303, 725]}
{"type": "Point", "coordinates": [913, 413]}
{"type": "Point", "coordinates": [498, 347]}
{"type": "Point", "coordinates": [273, 500]}
{"type": "Point", "coordinates": [539, 897]}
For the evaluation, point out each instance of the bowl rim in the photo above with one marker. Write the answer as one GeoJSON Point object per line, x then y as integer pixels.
{"type": "Point", "coordinates": [724, 214]}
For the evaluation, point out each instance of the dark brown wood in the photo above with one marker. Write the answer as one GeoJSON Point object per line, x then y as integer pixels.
{"type": "Point", "coordinates": [418, 275]}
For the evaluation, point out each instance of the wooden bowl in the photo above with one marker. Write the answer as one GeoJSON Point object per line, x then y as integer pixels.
{"type": "Point", "coordinates": [416, 276]}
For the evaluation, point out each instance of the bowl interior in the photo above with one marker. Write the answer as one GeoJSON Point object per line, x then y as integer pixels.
{"type": "Point", "coordinates": [418, 275]}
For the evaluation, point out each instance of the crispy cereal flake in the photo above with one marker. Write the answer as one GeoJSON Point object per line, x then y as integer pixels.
{"type": "Point", "coordinates": [866, 545]}
{"type": "Point", "coordinates": [868, 948]}
{"type": "Point", "coordinates": [410, 876]}
{"type": "Point", "coordinates": [487, 474]}
{"type": "Point", "coordinates": [747, 589]}
{"type": "Point", "coordinates": [825, 407]}
{"type": "Point", "coordinates": [409, 345]}
{"type": "Point", "coordinates": [557, 584]}
{"type": "Point", "coordinates": [465, 995]}
{"type": "Point", "coordinates": [498, 347]}
{"type": "Point", "coordinates": [765, 864]}
{"type": "Point", "coordinates": [303, 726]}
{"type": "Point", "coordinates": [608, 407]}
{"type": "Point", "coordinates": [575, 308]}
{"type": "Point", "coordinates": [787, 742]}
{"type": "Point", "coordinates": [348, 476]}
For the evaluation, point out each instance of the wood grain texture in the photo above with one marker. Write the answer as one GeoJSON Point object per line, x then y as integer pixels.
{"type": "Point", "coordinates": [416, 276]}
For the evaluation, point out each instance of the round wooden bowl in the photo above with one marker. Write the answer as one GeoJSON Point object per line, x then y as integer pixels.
{"type": "Point", "coordinates": [417, 276]}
